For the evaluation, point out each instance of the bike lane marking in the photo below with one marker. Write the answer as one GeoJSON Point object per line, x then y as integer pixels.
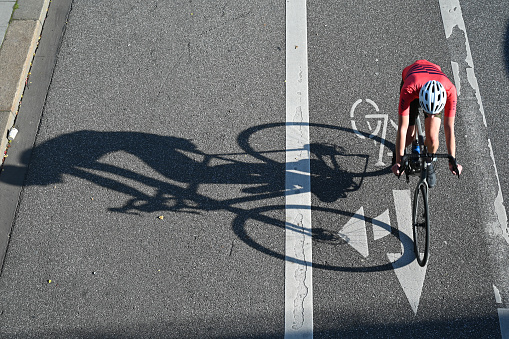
{"type": "Point", "coordinates": [410, 274]}
{"type": "Point", "coordinates": [374, 133]}
{"type": "Point", "coordinates": [298, 250]}
{"type": "Point", "coordinates": [462, 67]}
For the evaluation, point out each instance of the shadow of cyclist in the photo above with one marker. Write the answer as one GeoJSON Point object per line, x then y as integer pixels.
{"type": "Point", "coordinates": [84, 154]}
{"type": "Point", "coordinates": [175, 169]}
{"type": "Point", "coordinates": [329, 180]}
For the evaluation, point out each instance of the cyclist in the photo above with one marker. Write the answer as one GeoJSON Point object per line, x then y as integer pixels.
{"type": "Point", "coordinates": [424, 84]}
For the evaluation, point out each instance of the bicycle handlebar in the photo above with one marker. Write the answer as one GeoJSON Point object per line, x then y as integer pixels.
{"type": "Point", "coordinates": [405, 165]}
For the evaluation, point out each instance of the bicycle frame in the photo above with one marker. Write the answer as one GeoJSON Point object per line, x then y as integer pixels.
{"type": "Point", "coordinates": [412, 163]}
{"type": "Point", "coordinates": [409, 167]}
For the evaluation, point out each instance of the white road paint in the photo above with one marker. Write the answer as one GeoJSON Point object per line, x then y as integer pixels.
{"type": "Point", "coordinates": [382, 118]}
{"type": "Point", "coordinates": [499, 202]}
{"type": "Point", "coordinates": [381, 225]}
{"type": "Point", "coordinates": [298, 263]}
{"type": "Point", "coordinates": [354, 233]}
{"type": "Point", "coordinates": [456, 73]}
{"type": "Point", "coordinates": [498, 298]}
{"type": "Point", "coordinates": [368, 116]}
{"type": "Point", "coordinates": [352, 113]}
{"type": "Point", "coordinates": [452, 17]}
{"type": "Point", "coordinates": [411, 276]}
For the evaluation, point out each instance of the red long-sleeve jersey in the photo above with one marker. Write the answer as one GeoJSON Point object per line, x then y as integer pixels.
{"type": "Point", "coordinates": [415, 76]}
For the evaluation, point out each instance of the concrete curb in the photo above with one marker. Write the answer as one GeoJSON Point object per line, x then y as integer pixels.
{"type": "Point", "coordinates": [16, 55]}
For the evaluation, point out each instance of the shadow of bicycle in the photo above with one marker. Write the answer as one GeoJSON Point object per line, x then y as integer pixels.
{"type": "Point", "coordinates": [175, 169]}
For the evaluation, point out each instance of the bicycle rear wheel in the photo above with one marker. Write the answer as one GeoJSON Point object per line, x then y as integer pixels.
{"type": "Point", "coordinates": [420, 223]}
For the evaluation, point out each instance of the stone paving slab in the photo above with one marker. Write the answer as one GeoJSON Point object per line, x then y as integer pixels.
{"type": "Point", "coordinates": [20, 31]}
{"type": "Point", "coordinates": [6, 8]}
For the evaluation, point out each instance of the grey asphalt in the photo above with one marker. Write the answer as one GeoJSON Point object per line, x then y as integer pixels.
{"type": "Point", "coordinates": [153, 201]}
{"type": "Point", "coordinates": [170, 86]}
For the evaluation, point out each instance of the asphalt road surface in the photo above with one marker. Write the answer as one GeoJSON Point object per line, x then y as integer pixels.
{"type": "Point", "coordinates": [152, 165]}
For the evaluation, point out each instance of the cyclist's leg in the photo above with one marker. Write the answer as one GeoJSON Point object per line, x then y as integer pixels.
{"type": "Point", "coordinates": [410, 133]}
{"type": "Point", "coordinates": [414, 112]}
{"type": "Point", "coordinates": [432, 127]}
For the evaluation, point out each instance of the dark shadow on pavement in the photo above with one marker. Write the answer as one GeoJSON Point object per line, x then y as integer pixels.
{"type": "Point", "coordinates": [333, 324]}
{"type": "Point", "coordinates": [177, 169]}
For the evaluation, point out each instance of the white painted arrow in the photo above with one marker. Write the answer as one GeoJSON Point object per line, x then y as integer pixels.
{"type": "Point", "coordinates": [354, 233]}
{"type": "Point", "coordinates": [410, 274]}
{"type": "Point", "coordinates": [381, 225]}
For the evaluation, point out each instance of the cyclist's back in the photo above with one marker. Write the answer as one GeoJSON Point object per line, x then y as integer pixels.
{"type": "Point", "coordinates": [415, 76]}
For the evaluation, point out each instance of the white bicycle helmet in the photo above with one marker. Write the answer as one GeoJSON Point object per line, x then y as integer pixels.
{"type": "Point", "coordinates": [432, 97]}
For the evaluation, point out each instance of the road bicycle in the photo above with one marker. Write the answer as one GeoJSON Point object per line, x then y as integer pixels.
{"type": "Point", "coordinates": [414, 164]}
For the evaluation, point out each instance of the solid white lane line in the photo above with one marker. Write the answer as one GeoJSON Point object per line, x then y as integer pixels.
{"type": "Point", "coordinates": [298, 267]}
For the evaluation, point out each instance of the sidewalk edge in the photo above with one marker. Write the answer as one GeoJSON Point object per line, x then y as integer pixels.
{"type": "Point", "coordinates": [22, 36]}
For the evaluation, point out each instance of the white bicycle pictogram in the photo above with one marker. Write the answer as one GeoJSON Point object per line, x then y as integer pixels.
{"type": "Point", "coordinates": [375, 124]}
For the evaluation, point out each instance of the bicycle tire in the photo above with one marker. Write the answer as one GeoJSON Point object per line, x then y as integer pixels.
{"type": "Point", "coordinates": [420, 223]}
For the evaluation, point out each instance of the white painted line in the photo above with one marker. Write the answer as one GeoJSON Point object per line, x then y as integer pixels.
{"type": "Point", "coordinates": [297, 172]}
{"type": "Point", "coordinates": [298, 263]}
{"type": "Point", "coordinates": [452, 17]}
{"type": "Point", "coordinates": [385, 119]}
{"type": "Point", "coordinates": [354, 106]}
{"type": "Point", "coordinates": [498, 298]}
{"type": "Point", "coordinates": [409, 273]}
{"type": "Point", "coordinates": [499, 201]}
{"type": "Point", "coordinates": [372, 103]}
{"type": "Point", "coordinates": [354, 127]}
{"type": "Point", "coordinates": [456, 73]}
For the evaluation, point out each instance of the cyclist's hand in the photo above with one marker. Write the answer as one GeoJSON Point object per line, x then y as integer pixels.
{"type": "Point", "coordinates": [397, 170]}
{"type": "Point", "coordinates": [453, 171]}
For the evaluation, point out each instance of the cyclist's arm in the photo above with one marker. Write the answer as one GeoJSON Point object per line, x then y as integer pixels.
{"type": "Point", "coordinates": [401, 136]}
{"type": "Point", "coordinates": [450, 138]}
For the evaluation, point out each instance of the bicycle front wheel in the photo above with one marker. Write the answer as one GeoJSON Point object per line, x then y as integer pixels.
{"type": "Point", "coordinates": [420, 223]}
